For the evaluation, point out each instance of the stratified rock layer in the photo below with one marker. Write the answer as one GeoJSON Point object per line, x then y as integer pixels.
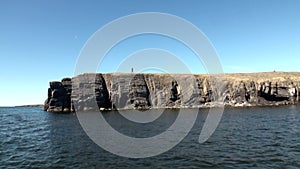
{"type": "Point", "coordinates": [143, 91]}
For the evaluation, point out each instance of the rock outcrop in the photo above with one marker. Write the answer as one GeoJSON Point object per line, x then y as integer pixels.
{"type": "Point", "coordinates": [59, 96]}
{"type": "Point", "coordinates": [143, 91]}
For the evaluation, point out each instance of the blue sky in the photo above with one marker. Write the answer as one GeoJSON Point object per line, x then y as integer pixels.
{"type": "Point", "coordinates": [41, 40]}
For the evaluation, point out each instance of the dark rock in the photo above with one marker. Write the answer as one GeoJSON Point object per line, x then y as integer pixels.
{"type": "Point", "coordinates": [55, 85]}
{"type": "Point", "coordinates": [174, 91]}
{"type": "Point", "coordinates": [59, 96]}
{"type": "Point", "coordinates": [101, 92]}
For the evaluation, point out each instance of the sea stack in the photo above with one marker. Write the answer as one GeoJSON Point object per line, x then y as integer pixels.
{"type": "Point", "coordinates": [59, 96]}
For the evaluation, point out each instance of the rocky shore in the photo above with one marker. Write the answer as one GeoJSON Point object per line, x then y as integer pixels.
{"type": "Point", "coordinates": [144, 91]}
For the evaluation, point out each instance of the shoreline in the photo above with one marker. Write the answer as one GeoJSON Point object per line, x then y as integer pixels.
{"type": "Point", "coordinates": [29, 105]}
{"type": "Point", "coordinates": [199, 107]}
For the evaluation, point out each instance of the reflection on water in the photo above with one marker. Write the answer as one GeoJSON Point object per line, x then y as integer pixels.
{"type": "Point", "coordinates": [267, 137]}
{"type": "Point", "coordinates": [127, 127]}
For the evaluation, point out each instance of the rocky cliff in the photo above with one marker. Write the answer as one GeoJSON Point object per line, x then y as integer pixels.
{"type": "Point", "coordinates": [144, 91]}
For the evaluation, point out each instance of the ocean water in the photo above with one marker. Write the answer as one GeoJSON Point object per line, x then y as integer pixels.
{"type": "Point", "coordinates": [263, 137]}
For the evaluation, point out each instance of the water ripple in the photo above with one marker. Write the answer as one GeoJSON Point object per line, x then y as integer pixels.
{"type": "Point", "coordinates": [245, 138]}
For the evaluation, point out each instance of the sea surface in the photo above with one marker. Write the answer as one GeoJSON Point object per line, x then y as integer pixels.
{"type": "Point", "coordinates": [262, 137]}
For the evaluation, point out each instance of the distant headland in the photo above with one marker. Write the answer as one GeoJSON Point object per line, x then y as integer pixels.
{"type": "Point", "coordinates": [30, 105]}
{"type": "Point", "coordinates": [145, 91]}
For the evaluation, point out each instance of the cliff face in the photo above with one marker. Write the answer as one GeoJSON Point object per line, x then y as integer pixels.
{"type": "Point", "coordinates": [144, 91]}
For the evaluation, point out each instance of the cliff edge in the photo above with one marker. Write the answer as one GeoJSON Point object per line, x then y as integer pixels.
{"type": "Point", "coordinates": [145, 91]}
